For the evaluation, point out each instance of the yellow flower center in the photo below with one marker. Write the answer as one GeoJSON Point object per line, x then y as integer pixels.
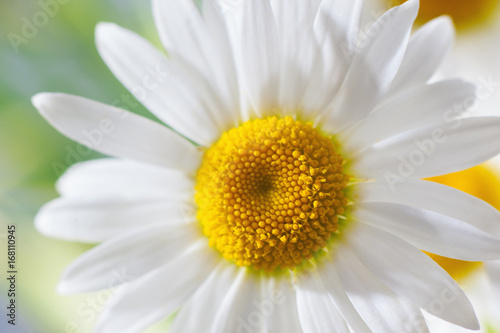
{"type": "Point", "coordinates": [465, 13]}
{"type": "Point", "coordinates": [270, 193]}
{"type": "Point", "coordinates": [481, 182]}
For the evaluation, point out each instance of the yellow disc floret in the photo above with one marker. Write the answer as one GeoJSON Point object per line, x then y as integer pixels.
{"type": "Point", "coordinates": [270, 192]}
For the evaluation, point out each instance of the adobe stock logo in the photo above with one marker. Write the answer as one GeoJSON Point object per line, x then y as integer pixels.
{"type": "Point", "coordinates": [31, 26]}
{"type": "Point", "coordinates": [264, 309]}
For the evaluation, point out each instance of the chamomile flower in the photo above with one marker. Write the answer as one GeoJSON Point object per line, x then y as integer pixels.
{"type": "Point", "coordinates": [287, 197]}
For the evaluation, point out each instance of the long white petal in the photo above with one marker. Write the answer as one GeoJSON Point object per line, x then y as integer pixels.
{"type": "Point", "coordinates": [184, 33]}
{"type": "Point", "coordinates": [285, 317]}
{"type": "Point", "coordinates": [425, 52]}
{"type": "Point", "coordinates": [259, 57]}
{"type": "Point", "coordinates": [202, 50]}
{"type": "Point", "coordinates": [199, 313]}
{"type": "Point", "coordinates": [434, 197]}
{"type": "Point", "coordinates": [117, 132]}
{"type": "Point", "coordinates": [157, 294]}
{"type": "Point", "coordinates": [493, 270]}
{"type": "Point", "coordinates": [218, 28]}
{"type": "Point", "coordinates": [127, 257]}
{"type": "Point", "coordinates": [161, 86]}
{"type": "Point", "coordinates": [336, 30]}
{"type": "Point", "coordinates": [99, 218]}
{"type": "Point", "coordinates": [300, 61]}
{"type": "Point", "coordinates": [375, 63]}
{"type": "Point", "coordinates": [431, 151]}
{"type": "Point", "coordinates": [335, 290]}
{"type": "Point", "coordinates": [117, 177]}
{"type": "Point", "coordinates": [236, 315]}
{"type": "Point", "coordinates": [317, 311]}
{"type": "Point", "coordinates": [379, 306]}
{"type": "Point", "coordinates": [430, 231]}
{"type": "Point", "coordinates": [422, 106]}
{"type": "Point", "coordinates": [339, 20]}
{"type": "Point", "coordinates": [413, 275]}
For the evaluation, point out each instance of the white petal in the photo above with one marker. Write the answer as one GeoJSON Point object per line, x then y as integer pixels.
{"type": "Point", "coordinates": [159, 85]}
{"type": "Point", "coordinates": [375, 63]}
{"type": "Point", "coordinates": [426, 51]}
{"type": "Point", "coordinates": [127, 257]}
{"type": "Point", "coordinates": [335, 290]}
{"type": "Point", "coordinates": [157, 294]}
{"type": "Point", "coordinates": [117, 177]}
{"type": "Point", "coordinates": [431, 151]}
{"type": "Point", "coordinates": [239, 310]}
{"type": "Point", "coordinates": [192, 43]}
{"type": "Point", "coordinates": [421, 106]}
{"type": "Point", "coordinates": [259, 57]}
{"type": "Point", "coordinates": [493, 270]}
{"type": "Point", "coordinates": [336, 29]}
{"type": "Point", "coordinates": [435, 197]}
{"type": "Point", "coordinates": [430, 231]}
{"type": "Point", "coordinates": [300, 58]}
{"type": "Point", "coordinates": [339, 20]}
{"type": "Point", "coordinates": [117, 132]}
{"type": "Point", "coordinates": [256, 303]}
{"type": "Point", "coordinates": [219, 30]}
{"type": "Point", "coordinates": [199, 313]}
{"type": "Point", "coordinates": [380, 307]}
{"type": "Point", "coordinates": [285, 317]}
{"type": "Point", "coordinates": [99, 218]}
{"type": "Point", "coordinates": [202, 51]}
{"type": "Point", "coordinates": [413, 275]}
{"type": "Point", "coordinates": [317, 312]}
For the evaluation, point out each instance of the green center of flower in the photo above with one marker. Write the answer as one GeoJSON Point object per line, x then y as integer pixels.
{"type": "Point", "coordinates": [270, 193]}
{"type": "Point", "coordinates": [465, 13]}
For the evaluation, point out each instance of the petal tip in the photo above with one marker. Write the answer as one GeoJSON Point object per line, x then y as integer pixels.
{"type": "Point", "coordinates": [445, 24]}
{"type": "Point", "coordinates": [40, 100]}
{"type": "Point", "coordinates": [62, 288]}
{"type": "Point", "coordinates": [40, 223]}
{"type": "Point", "coordinates": [103, 27]}
{"type": "Point", "coordinates": [47, 102]}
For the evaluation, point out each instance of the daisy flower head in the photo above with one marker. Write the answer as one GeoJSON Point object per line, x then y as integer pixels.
{"type": "Point", "coordinates": [286, 196]}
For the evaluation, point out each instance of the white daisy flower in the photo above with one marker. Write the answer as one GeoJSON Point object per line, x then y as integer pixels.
{"type": "Point", "coordinates": [299, 206]}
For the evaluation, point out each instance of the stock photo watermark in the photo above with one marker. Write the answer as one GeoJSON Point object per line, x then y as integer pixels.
{"type": "Point", "coordinates": [263, 309]}
{"type": "Point", "coordinates": [371, 29]}
{"type": "Point", "coordinates": [437, 306]}
{"type": "Point", "coordinates": [154, 78]}
{"type": "Point", "coordinates": [11, 273]}
{"type": "Point", "coordinates": [31, 26]}
{"type": "Point", "coordinates": [452, 118]}
{"type": "Point", "coordinates": [89, 309]}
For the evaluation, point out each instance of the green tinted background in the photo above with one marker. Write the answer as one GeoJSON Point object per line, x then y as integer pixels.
{"type": "Point", "coordinates": [49, 46]}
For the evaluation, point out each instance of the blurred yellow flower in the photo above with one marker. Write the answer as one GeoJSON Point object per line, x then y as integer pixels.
{"type": "Point", "coordinates": [465, 13]}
